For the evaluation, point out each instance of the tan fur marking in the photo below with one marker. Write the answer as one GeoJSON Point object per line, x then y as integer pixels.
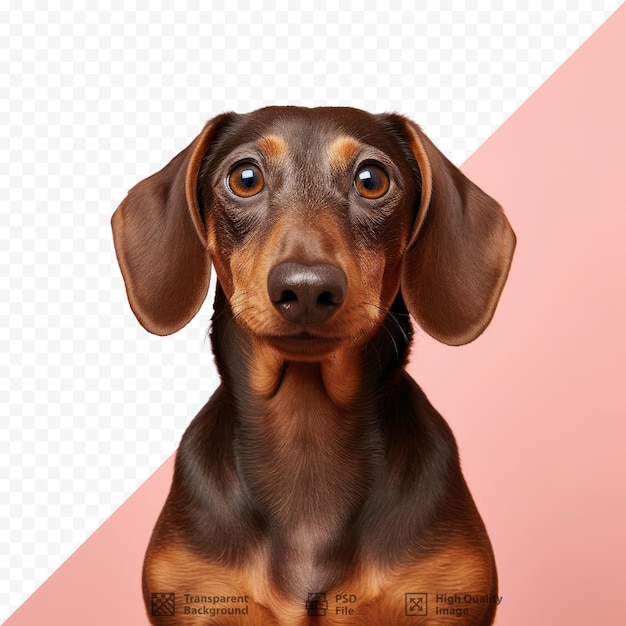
{"type": "Point", "coordinates": [454, 570]}
{"type": "Point", "coordinates": [189, 576]}
{"type": "Point", "coordinates": [265, 370]}
{"type": "Point", "coordinates": [342, 150]}
{"type": "Point", "coordinates": [342, 376]}
{"type": "Point", "coordinates": [273, 146]}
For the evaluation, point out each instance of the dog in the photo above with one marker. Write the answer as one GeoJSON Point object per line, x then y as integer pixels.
{"type": "Point", "coordinates": [318, 485]}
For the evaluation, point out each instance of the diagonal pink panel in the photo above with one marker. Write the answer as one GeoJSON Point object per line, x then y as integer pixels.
{"type": "Point", "coordinates": [536, 402]}
{"type": "Point", "coordinates": [100, 584]}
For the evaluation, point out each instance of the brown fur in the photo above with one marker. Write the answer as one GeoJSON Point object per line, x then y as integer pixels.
{"type": "Point", "coordinates": [318, 466]}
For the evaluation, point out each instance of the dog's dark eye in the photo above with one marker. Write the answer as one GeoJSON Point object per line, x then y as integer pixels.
{"type": "Point", "coordinates": [371, 182]}
{"type": "Point", "coordinates": [246, 180]}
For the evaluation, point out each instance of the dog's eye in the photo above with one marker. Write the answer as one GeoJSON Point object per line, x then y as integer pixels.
{"type": "Point", "coordinates": [371, 182]}
{"type": "Point", "coordinates": [246, 180]}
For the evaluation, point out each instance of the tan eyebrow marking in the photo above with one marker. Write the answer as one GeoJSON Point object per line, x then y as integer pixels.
{"type": "Point", "coordinates": [273, 146]}
{"type": "Point", "coordinates": [341, 150]}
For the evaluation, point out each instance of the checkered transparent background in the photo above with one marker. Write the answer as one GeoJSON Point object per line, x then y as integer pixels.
{"type": "Point", "coordinates": [95, 100]}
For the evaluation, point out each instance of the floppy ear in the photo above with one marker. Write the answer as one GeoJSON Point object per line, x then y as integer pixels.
{"type": "Point", "coordinates": [460, 250]}
{"type": "Point", "coordinates": [160, 241]}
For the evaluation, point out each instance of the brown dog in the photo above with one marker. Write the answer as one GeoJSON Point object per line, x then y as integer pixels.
{"type": "Point", "coordinates": [318, 485]}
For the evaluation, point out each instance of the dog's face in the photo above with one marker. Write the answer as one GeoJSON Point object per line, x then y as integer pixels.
{"type": "Point", "coordinates": [308, 217]}
{"type": "Point", "coordinates": [314, 219]}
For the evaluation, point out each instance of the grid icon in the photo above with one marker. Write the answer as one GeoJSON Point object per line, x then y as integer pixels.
{"type": "Point", "coordinates": [163, 604]}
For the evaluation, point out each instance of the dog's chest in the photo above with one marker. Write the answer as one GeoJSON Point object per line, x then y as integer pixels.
{"type": "Point", "coordinates": [309, 465]}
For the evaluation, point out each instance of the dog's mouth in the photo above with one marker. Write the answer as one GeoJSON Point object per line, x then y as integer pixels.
{"type": "Point", "coordinates": [304, 345]}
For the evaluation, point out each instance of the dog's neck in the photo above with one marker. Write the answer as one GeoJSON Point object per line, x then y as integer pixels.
{"type": "Point", "coordinates": [308, 437]}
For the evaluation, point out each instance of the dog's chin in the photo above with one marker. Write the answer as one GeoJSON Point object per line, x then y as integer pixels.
{"type": "Point", "coordinates": [304, 346]}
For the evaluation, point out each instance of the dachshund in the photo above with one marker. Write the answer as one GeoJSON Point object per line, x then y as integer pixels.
{"type": "Point", "coordinates": [318, 485]}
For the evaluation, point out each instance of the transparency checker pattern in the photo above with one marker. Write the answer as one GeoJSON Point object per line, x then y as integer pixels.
{"type": "Point", "coordinates": [94, 101]}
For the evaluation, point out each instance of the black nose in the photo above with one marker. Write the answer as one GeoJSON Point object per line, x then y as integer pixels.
{"type": "Point", "coordinates": [307, 294]}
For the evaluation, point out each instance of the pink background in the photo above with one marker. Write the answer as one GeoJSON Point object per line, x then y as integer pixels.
{"type": "Point", "coordinates": [536, 403]}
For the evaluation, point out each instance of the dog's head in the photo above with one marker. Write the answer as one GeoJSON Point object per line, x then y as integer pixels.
{"type": "Point", "coordinates": [315, 220]}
